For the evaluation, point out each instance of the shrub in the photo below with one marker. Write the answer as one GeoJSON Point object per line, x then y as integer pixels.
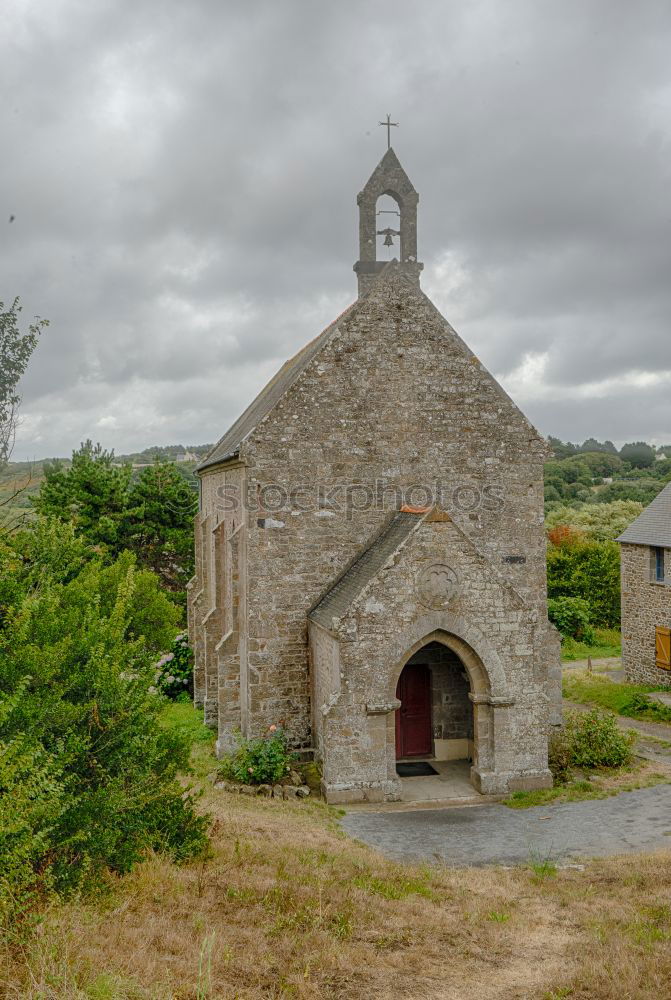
{"type": "Point", "coordinates": [265, 760]}
{"type": "Point", "coordinates": [31, 792]}
{"type": "Point", "coordinates": [589, 741]}
{"type": "Point", "coordinates": [590, 570]}
{"type": "Point", "coordinates": [571, 615]}
{"type": "Point", "coordinates": [597, 741]}
{"type": "Point", "coordinates": [77, 676]}
{"type": "Point", "coordinates": [174, 671]}
{"type": "Point", "coordinates": [560, 757]}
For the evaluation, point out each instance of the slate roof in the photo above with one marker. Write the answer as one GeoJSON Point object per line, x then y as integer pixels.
{"type": "Point", "coordinates": [653, 525]}
{"type": "Point", "coordinates": [338, 599]}
{"type": "Point", "coordinates": [229, 445]}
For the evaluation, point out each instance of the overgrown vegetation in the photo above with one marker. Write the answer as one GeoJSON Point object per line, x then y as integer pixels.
{"type": "Point", "coordinates": [606, 643]}
{"type": "Point", "coordinates": [589, 741]}
{"type": "Point", "coordinates": [88, 776]}
{"type": "Point", "coordinates": [589, 759]}
{"type": "Point", "coordinates": [174, 671]}
{"type": "Point", "coordinates": [264, 760]}
{"type": "Point", "coordinates": [151, 515]}
{"type": "Point", "coordinates": [590, 570]}
{"type": "Point", "coordinates": [630, 700]}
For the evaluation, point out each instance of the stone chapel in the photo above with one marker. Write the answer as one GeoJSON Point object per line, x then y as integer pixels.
{"type": "Point", "coordinates": [370, 549]}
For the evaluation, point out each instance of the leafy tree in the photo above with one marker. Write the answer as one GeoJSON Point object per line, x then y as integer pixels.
{"type": "Point", "coordinates": [561, 449]}
{"type": "Point", "coordinates": [638, 453]}
{"type": "Point", "coordinates": [571, 616]}
{"type": "Point", "coordinates": [601, 521]}
{"type": "Point", "coordinates": [588, 569]}
{"type": "Point", "coordinates": [92, 493]}
{"type": "Point", "coordinates": [552, 494]}
{"type": "Point", "coordinates": [592, 445]}
{"type": "Point", "coordinates": [644, 491]}
{"type": "Point", "coordinates": [602, 463]}
{"type": "Point", "coordinates": [152, 517]}
{"type": "Point", "coordinates": [158, 523]}
{"type": "Point", "coordinates": [15, 351]}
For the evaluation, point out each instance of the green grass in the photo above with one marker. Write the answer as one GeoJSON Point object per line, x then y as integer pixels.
{"type": "Point", "coordinates": [580, 790]}
{"type": "Point", "coordinates": [182, 716]}
{"type": "Point", "coordinates": [628, 700]}
{"type": "Point", "coordinates": [607, 644]}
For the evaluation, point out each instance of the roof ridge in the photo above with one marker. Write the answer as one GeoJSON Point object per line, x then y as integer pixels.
{"type": "Point", "coordinates": [228, 445]}
{"type": "Point", "coordinates": [395, 533]}
{"type": "Point", "coordinates": [653, 524]}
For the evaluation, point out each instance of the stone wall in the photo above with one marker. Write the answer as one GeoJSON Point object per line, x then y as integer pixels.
{"type": "Point", "coordinates": [393, 398]}
{"type": "Point", "coordinates": [645, 604]}
{"type": "Point", "coordinates": [216, 595]}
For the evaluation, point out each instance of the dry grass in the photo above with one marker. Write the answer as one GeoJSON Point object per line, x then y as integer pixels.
{"type": "Point", "coordinates": [287, 906]}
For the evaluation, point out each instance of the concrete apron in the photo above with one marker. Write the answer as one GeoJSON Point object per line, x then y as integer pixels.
{"type": "Point", "coordinates": [451, 786]}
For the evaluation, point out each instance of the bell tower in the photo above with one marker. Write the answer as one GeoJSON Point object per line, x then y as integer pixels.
{"type": "Point", "coordinates": [388, 178]}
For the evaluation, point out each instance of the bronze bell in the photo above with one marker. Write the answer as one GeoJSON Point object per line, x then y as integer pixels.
{"type": "Point", "coordinates": [389, 240]}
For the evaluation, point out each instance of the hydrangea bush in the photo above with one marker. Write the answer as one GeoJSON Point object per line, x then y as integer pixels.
{"type": "Point", "coordinates": [174, 671]}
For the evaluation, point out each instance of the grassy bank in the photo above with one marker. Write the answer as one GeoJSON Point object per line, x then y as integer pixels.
{"type": "Point", "coordinates": [629, 700]}
{"type": "Point", "coordinates": [607, 643]}
{"type": "Point", "coordinates": [288, 906]}
{"type": "Point", "coordinates": [598, 785]}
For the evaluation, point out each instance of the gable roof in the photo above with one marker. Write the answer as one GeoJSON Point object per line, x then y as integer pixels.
{"type": "Point", "coordinates": [229, 445]}
{"type": "Point", "coordinates": [337, 600]}
{"type": "Point", "coordinates": [653, 525]}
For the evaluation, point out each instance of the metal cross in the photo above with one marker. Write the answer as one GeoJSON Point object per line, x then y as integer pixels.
{"type": "Point", "coordinates": [389, 124]}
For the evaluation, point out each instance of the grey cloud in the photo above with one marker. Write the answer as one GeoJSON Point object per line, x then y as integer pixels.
{"type": "Point", "coordinates": [184, 178]}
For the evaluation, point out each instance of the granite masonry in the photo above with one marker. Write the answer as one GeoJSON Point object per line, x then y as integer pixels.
{"type": "Point", "coordinates": [380, 505]}
{"type": "Point", "coordinates": [645, 549]}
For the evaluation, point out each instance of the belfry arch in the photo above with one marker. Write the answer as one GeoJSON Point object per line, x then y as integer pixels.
{"type": "Point", "coordinates": [390, 179]}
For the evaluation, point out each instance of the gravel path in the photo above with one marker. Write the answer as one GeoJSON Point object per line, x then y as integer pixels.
{"type": "Point", "coordinates": [493, 834]}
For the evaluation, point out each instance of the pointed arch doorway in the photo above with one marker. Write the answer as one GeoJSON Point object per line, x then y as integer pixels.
{"type": "Point", "coordinates": [435, 718]}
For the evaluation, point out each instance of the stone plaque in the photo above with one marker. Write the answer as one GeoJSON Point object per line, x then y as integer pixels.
{"type": "Point", "coordinates": [437, 585]}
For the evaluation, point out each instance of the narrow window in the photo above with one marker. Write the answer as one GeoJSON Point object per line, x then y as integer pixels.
{"type": "Point", "coordinates": [659, 565]}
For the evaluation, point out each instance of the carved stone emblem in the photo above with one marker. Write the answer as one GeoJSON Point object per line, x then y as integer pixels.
{"type": "Point", "coordinates": [437, 585]}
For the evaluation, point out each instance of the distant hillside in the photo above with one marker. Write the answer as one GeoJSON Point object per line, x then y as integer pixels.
{"type": "Point", "coordinates": [21, 481]}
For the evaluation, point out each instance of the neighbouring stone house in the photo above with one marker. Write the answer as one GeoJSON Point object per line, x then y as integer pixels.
{"type": "Point", "coordinates": [645, 549]}
{"type": "Point", "coordinates": [370, 547]}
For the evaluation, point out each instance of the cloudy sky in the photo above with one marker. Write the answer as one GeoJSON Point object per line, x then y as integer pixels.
{"type": "Point", "coordinates": [183, 180]}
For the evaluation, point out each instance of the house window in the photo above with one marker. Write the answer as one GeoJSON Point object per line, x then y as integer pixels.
{"type": "Point", "coordinates": [658, 565]}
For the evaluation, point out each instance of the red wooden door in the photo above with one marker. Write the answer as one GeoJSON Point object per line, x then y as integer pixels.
{"type": "Point", "coordinates": [413, 718]}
